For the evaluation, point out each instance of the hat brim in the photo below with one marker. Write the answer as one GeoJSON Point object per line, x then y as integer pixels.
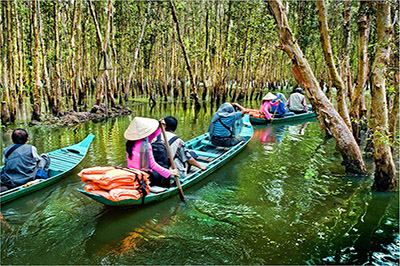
{"type": "Point", "coordinates": [141, 128]}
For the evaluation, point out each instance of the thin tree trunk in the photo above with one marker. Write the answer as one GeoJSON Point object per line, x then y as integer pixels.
{"type": "Point", "coordinates": [11, 64]}
{"type": "Point", "coordinates": [385, 170]}
{"type": "Point", "coordinates": [55, 97]}
{"type": "Point", "coordinates": [346, 47]}
{"type": "Point", "coordinates": [47, 83]}
{"type": "Point", "coordinates": [327, 48]}
{"type": "Point", "coordinates": [136, 55]}
{"type": "Point", "coordinates": [72, 76]}
{"type": "Point", "coordinates": [19, 43]}
{"type": "Point", "coordinates": [394, 111]}
{"type": "Point", "coordinates": [327, 114]}
{"type": "Point", "coordinates": [36, 112]}
{"type": "Point", "coordinates": [357, 99]}
{"type": "Point", "coordinates": [5, 111]}
{"type": "Point", "coordinates": [188, 67]}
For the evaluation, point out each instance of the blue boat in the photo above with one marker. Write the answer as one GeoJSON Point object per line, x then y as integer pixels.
{"type": "Point", "coordinates": [62, 162]}
{"type": "Point", "coordinates": [209, 155]}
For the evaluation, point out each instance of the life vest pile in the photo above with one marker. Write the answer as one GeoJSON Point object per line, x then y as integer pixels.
{"type": "Point", "coordinates": [256, 113]}
{"type": "Point", "coordinates": [116, 184]}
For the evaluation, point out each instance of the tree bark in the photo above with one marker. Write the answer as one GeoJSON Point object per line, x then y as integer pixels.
{"type": "Point", "coordinates": [136, 55]}
{"type": "Point", "coordinates": [47, 83]}
{"type": "Point", "coordinates": [357, 99]}
{"type": "Point", "coordinates": [36, 112]}
{"type": "Point", "coordinates": [55, 102]}
{"type": "Point", "coordinates": [185, 55]}
{"type": "Point", "coordinates": [346, 71]}
{"type": "Point", "coordinates": [385, 171]}
{"type": "Point", "coordinates": [327, 115]}
{"type": "Point", "coordinates": [394, 112]}
{"type": "Point", "coordinates": [103, 46]}
{"type": "Point", "coordinates": [333, 73]}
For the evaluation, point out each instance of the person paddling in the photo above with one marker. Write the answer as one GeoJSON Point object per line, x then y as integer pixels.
{"type": "Point", "coordinates": [139, 153]}
{"type": "Point", "coordinates": [266, 104]}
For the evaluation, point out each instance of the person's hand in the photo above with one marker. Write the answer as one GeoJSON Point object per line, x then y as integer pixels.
{"type": "Point", "coordinates": [203, 167]}
{"type": "Point", "coordinates": [175, 172]}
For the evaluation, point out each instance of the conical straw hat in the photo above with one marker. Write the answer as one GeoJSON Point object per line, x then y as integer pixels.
{"type": "Point", "coordinates": [140, 128]}
{"type": "Point", "coordinates": [269, 96]}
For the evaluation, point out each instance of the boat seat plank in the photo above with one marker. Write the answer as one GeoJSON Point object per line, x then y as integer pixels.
{"type": "Point", "coordinates": [206, 154]}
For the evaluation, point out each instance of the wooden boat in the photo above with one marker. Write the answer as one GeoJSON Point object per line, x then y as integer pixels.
{"type": "Point", "coordinates": [62, 161]}
{"type": "Point", "coordinates": [209, 155]}
{"type": "Point", "coordinates": [287, 119]}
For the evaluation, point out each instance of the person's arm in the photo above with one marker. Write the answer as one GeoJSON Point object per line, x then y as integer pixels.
{"type": "Point", "coordinates": [305, 104]}
{"type": "Point", "coordinates": [276, 103]}
{"type": "Point", "coordinates": [158, 168]}
{"type": "Point", "coordinates": [241, 108]}
{"type": "Point", "coordinates": [35, 155]}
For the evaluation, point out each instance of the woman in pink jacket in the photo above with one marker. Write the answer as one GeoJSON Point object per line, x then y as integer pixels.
{"type": "Point", "coordinates": [267, 103]}
{"type": "Point", "coordinates": [139, 153]}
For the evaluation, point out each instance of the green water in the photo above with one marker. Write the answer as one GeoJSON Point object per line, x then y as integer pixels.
{"type": "Point", "coordinates": [283, 200]}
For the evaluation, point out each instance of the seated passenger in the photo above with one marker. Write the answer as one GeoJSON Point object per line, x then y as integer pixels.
{"type": "Point", "coordinates": [281, 110]}
{"type": "Point", "coordinates": [297, 102]}
{"type": "Point", "coordinates": [183, 159]}
{"type": "Point", "coordinates": [139, 153]}
{"type": "Point", "coordinates": [221, 126]}
{"type": "Point", "coordinates": [267, 103]}
{"type": "Point", "coordinates": [22, 162]}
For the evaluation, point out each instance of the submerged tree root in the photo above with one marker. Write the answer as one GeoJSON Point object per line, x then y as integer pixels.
{"type": "Point", "coordinates": [98, 112]}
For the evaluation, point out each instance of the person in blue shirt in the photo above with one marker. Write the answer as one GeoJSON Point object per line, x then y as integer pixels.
{"type": "Point", "coordinates": [280, 109]}
{"type": "Point", "coordinates": [22, 162]}
{"type": "Point", "coordinates": [221, 126]}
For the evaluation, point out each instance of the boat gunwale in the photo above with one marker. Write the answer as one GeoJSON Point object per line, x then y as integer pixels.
{"type": "Point", "coordinates": [186, 182]}
{"type": "Point", "coordinates": [17, 192]}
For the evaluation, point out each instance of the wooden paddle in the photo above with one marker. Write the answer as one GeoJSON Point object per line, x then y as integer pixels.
{"type": "Point", "coordinates": [178, 183]}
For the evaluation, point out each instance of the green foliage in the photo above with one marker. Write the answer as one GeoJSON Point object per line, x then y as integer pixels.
{"type": "Point", "coordinates": [382, 136]}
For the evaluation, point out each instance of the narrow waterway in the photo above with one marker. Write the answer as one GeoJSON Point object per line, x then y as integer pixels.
{"type": "Point", "coordinates": [283, 200]}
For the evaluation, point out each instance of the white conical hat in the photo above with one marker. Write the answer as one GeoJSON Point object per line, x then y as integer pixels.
{"type": "Point", "coordinates": [269, 96]}
{"type": "Point", "coordinates": [140, 128]}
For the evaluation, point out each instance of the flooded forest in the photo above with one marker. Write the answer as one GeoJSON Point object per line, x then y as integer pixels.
{"type": "Point", "coordinates": [315, 192]}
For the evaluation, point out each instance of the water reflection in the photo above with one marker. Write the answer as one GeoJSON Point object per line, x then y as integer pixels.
{"type": "Point", "coordinates": [283, 200]}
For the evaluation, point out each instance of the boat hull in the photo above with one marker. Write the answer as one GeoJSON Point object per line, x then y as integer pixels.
{"type": "Point", "coordinates": [62, 162]}
{"type": "Point", "coordinates": [287, 119]}
{"type": "Point", "coordinates": [202, 146]}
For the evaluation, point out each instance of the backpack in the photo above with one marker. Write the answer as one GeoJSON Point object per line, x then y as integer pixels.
{"type": "Point", "coordinates": [160, 152]}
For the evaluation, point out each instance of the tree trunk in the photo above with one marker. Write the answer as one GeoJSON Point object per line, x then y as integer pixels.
{"type": "Point", "coordinates": [385, 171]}
{"type": "Point", "coordinates": [36, 112]}
{"type": "Point", "coordinates": [364, 28]}
{"type": "Point", "coordinates": [47, 83]}
{"type": "Point", "coordinates": [11, 80]}
{"type": "Point", "coordinates": [55, 98]}
{"type": "Point", "coordinates": [327, 48]}
{"type": "Point", "coordinates": [137, 49]}
{"type": "Point", "coordinates": [394, 111]}
{"type": "Point", "coordinates": [20, 56]}
{"type": "Point", "coordinates": [72, 76]}
{"type": "Point", "coordinates": [326, 113]}
{"type": "Point", "coordinates": [188, 67]}
{"type": "Point", "coordinates": [346, 71]}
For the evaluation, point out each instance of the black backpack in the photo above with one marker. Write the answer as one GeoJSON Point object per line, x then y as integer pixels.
{"type": "Point", "coordinates": [160, 152]}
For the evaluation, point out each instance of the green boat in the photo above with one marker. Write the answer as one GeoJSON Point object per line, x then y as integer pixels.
{"type": "Point", "coordinates": [209, 155]}
{"type": "Point", "coordinates": [62, 162]}
{"type": "Point", "coordinates": [281, 120]}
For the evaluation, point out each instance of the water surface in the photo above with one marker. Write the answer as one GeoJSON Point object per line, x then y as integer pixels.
{"type": "Point", "coordinates": [283, 200]}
